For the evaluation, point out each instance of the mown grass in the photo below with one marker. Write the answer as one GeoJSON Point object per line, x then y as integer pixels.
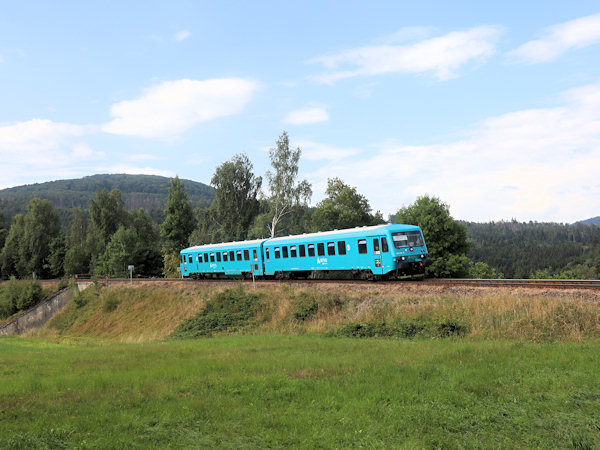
{"type": "Point", "coordinates": [299, 391]}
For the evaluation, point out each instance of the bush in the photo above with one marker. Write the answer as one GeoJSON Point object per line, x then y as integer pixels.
{"type": "Point", "coordinates": [31, 295]}
{"type": "Point", "coordinates": [110, 304]}
{"type": "Point", "coordinates": [226, 311]}
{"type": "Point", "coordinates": [443, 328]}
{"type": "Point", "coordinates": [305, 307]}
{"type": "Point", "coordinates": [19, 295]}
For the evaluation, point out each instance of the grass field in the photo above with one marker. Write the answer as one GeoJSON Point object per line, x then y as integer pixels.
{"type": "Point", "coordinates": [299, 391]}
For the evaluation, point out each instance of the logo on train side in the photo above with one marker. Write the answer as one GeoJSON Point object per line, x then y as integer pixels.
{"type": "Point", "coordinates": [321, 260]}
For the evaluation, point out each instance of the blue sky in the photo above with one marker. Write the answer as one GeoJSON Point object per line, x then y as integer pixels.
{"type": "Point", "coordinates": [494, 108]}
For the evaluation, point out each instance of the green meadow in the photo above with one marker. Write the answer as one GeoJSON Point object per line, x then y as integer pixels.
{"type": "Point", "coordinates": [301, 391]}
{"type": "Point", "coordinates": [219, 367]}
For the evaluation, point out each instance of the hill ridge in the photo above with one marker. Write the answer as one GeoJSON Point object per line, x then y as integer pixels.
{"type": "Point", "coordinates": [139, 191]}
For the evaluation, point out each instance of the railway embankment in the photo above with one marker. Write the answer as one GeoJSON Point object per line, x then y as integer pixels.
{"type": "Point", "coordinates": [37, 316]}
{"type": "Point", "coordinates": [155, 311]}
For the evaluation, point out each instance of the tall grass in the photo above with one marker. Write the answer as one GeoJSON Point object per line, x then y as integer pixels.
{"type": "Point", "coordinates": [139, 314]}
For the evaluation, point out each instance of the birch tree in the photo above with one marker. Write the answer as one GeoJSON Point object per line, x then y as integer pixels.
{"type": "Point", "coordinates": [286, 192]}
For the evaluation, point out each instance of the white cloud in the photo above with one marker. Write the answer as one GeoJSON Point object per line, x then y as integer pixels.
{"type": "Point", "coordinates": [537, 164]}
{"type": "Point", "coordinates": [307, 116]}
{"type": "Point", "coordinates": [133, 170]}
{"type": "Point", "coordinates": [442, 56]}
{"type": "Point", "coordinates": [171, 108]}
{"type": "Point", "coordinates": [558, 39]}
{"type": "Point", "coordinates": [315, 151]}
{"type": "Point", "coordinates": [43, 149]}
{"type": "Point", "coordinates": [181, 35]}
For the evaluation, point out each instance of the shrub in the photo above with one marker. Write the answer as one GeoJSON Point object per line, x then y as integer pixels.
{"type": "Point", "coordinates": [443, 328]}
{"type": "Point", "coordinates": [110, 304]}
{"type": "Point", "coordinates": [226, 311]}
{"type": "Point", "coordinates": [305, 306]}
{"type": "Point", "coordinates": [19, 295]}
{"type": "Point", "coordinates": [31, 295]}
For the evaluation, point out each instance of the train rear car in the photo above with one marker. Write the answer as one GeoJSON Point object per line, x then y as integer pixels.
{"type": "Point", "coordinates": [226, 259]}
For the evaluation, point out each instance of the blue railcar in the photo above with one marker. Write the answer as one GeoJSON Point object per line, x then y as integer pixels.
{"type": "Point", "coordinates": [368, 252]}
{"type": "Point", "coordinates": [227, 259]}
{"type": "Point", "coordinates": [377, 251]}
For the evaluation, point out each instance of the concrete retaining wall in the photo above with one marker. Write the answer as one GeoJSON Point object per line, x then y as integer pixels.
{"type": "Point", "coordinates": [41, 313]}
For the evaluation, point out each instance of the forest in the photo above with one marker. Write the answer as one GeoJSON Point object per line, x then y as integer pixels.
{"type": "Point", "coordinates": [108, 230]}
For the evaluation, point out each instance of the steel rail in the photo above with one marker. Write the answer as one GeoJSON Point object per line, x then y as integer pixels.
{"type": "Point", "coordinates": [525, 283]}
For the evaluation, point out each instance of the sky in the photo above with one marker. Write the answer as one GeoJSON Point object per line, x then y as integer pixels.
{"type": "Point", "coordinates": [493, 107]}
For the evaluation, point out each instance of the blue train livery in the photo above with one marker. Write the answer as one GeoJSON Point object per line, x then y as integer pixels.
{"type": "Point", "coordinates": [367, 252]}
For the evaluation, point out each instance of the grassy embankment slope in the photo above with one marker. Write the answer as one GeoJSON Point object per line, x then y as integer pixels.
{"type": "Point", "coordinates": [482, 368]}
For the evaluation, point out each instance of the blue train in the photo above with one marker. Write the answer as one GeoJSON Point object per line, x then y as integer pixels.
{"type": "Point", "coordinates": [376, 252]}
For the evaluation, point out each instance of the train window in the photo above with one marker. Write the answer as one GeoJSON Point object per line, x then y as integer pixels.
{"type": "Point", "coordinates": [267, 253]}
{"type": "Point", "coordinates": [277, 253]}
{"type": "Point", "coordinates": [218, 257]}
{"type": "Point", "coordinates": [254, 255]}
{"type": "Point", "coordinates": [341, 247]}
{"type": "Point", "coordinates": [212, 257]}
{"type": "Point", "coordinates": [293, 251]}
{"type": "Point", "coordinates": [199, 257]}
{"type": "Point", "coordinates": [384, 245]}
{"type": "Point", "coordinates": [284, 251]}
{"type": "Point", "coordinates": [376, 246]}
{"type": "Point", "coordinates": [311, 249]}
{"type": "Point", "coordinates": [225, 256]}
{"type": "Point", "coordinates": [190, 259]}
{"type": "Point", "coordinates": [331, 248]}
{"type": "Point", "coordinates": [239, 255]}
{"type": "Point", "coordinates": [181, 259]}
{"type": "Point", "coordinates": [321, 249]}
{"type": "Point", "coordinates": [362, 246]}
{"type": "Point", "coordinates": [231, 255]}
{"type": "Point", "coordinates": [246, 255]}
{"type": "Point", "coordinates": [302, 250]}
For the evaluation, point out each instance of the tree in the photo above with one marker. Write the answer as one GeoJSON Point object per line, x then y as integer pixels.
{"type": "Point", "coordinates": [41, 227]}
{"type": "Point", "coordinates": [78, 255]}
{"type": "Point", "coordinates": [446, 239]}
{"type": "Point", "coordinates": [286, 192]}
{"type": "Point", "coordinates": [118, 254]}
{"type": "Point", "coordinates": [343, 208]}
{"type": "Point", "coordinates": [179, 218]}
{"type": "Point", "coordinates": [56, 258]}
{"type": "Point", "coordinates": [3, 231]}
{"type": "Point", "coordinates": [235, 205]}
{"type": "Point", "coordinates": [10, 258]}
{"type": "Point", "coordinates": [107, 212]}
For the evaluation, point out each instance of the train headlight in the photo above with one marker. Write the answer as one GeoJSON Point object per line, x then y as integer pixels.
{"type": "Point", "coordinates": [422, 256]}
{"type": "Point", "coordinates": [403, 258]}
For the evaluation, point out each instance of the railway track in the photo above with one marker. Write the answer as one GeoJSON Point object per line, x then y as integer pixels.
{"type": "Point", "coordinates": [462, 282]}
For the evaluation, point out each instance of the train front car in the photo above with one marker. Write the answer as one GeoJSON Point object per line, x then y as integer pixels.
{"type": "Point", "coordinates": [409, 251]}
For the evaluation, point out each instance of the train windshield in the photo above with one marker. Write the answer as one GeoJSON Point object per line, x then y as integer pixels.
{"type": "Point", "coordinates": [407, 239]}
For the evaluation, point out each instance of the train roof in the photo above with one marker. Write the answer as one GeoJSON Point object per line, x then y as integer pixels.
{"type": "Point", "coordinates": [344, 232]}
{"type": "Point", "coordinates": [226, 244]}
{"type": "Point", "coordinates": [347, 231]}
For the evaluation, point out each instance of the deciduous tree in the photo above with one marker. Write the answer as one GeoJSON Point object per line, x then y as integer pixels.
{"type": "Point", "coordinates": [235, 205]}
{"type": "Point", "coordinates": [446, 239]}
{"type": "Point", "coordinates": [285, 191]}
{"type": "Point", "coordinates": [343, 208]}
{"type": "Point", "coordinates": [10, 258]}
{"type": "Point", "coordinates": [41, 226]}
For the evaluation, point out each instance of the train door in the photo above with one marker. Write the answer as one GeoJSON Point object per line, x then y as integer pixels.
{"type": "Point", "coordinates": [256, 262]}
{"type": "Point", "coordinates": [377, 258]}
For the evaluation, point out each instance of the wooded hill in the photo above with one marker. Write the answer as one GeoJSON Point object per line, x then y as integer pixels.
{"type": "Point", "coordinates": [519, 249]}
{"type": "Point", "coordinates": [138, 191]}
